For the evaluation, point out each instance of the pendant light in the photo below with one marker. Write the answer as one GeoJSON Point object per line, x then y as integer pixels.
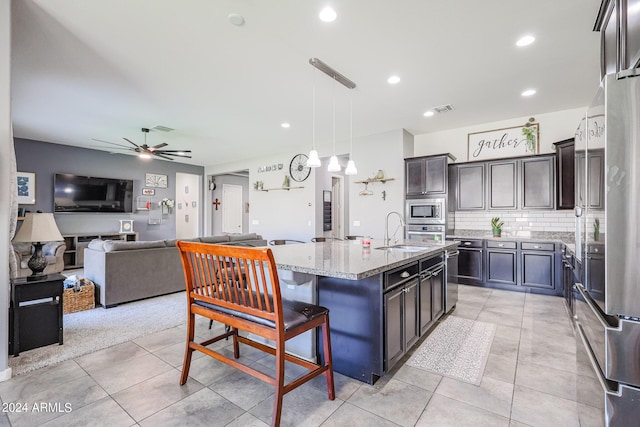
{"type": "Point", "coordinates": [351, 165]}
{"type": "Point", "coordinates": [334, 166]}
{"type": "Point", "coordinates": [313, 161]}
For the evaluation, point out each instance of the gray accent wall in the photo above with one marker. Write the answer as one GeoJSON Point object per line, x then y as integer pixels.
{"type": "Point", "coordinates": [46, 159]}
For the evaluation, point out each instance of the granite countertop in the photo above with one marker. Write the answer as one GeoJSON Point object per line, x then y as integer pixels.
{"type": "Point", "coordinates": [348, 259]}
{"type": "Point", "coordinates": [567, 238]}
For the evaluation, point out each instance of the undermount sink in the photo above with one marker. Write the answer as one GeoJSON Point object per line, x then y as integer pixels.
{"type": "Point", "coordinates": [405, 248]}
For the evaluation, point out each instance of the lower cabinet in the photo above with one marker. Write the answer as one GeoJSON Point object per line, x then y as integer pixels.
{"type": "Point", "coordinates": [502, 262]}
{"type": "Point", "coordinates": [432, 284]}
{"type": "Point", "coordinates": [401, 329]}
{"type": "Point", "coordinates": [512, 265]}
{"type": "Point", "coordinates": [538, 265]}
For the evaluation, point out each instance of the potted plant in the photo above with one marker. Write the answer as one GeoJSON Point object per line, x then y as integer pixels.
{"type": "Point", "coordinates": [596, 230]}
{"type": "Point", "coordinates": [496, 226]}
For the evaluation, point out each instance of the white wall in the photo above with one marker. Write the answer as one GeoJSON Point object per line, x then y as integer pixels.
{"type": "Point", "coordinates": [5, 141]}
{"type": "Point", "coordinates": [384, 151]}
{"type": "Point", "coordinates": [554, 127]}
{"type": "Point", "coordinates": [187, 216]}
{"type": "Point", "coordinates": [295, 214]}
{"type": "Point", "coordinates": [276, 214]}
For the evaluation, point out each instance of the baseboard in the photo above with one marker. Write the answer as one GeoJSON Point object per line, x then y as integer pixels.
{"type": "Point", "coordinates": [5, 375]}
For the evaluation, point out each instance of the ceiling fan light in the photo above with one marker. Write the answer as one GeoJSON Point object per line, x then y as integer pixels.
{"type": "Point", "coordinates": [334, 166]}
{"type": "Point", "coordinates": [313, 161]}
{"type": "Point", "coordinates": [351, 168]}
{"type": "Point", "coordinates": [144, 156]}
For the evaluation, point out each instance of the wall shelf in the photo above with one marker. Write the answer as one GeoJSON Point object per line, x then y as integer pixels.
{"type": "Point", "coordinates": [279, 188]}
{"type": "Point", "coordinates": [370, 180]}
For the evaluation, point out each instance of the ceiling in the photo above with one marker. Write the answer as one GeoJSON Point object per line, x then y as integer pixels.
{"type": "Point", "coordinates": [105, 69]}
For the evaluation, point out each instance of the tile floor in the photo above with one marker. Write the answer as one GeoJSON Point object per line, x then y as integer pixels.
{"type": "Point", "coordinates": [532, 378]}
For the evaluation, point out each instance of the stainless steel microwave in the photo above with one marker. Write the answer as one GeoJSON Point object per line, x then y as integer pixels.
{"type": "Point", "coordinates": [425, 211]}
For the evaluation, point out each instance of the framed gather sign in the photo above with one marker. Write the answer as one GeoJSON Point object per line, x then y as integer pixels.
{"type": "Point", "coordinates": [506, 142]}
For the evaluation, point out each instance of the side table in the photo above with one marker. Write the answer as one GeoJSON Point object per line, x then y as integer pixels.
{"type": "Point", "coordinates": [36, 311]}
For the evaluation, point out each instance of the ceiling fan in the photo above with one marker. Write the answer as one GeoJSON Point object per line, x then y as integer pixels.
{"type": "Point", "coordinates": [145, 152]}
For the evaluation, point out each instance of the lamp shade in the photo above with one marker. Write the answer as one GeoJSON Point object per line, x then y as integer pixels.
{"type": "Point", "coordinates": [38, 227]}
{"type": "Point", "coordinates": [334, 166]}
{"type": "Point", "coordinates": [313, 161]}
{"type": "Point", "coordinates": [351, 168]}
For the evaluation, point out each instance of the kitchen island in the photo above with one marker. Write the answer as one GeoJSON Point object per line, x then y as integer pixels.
{"type": "Point", "coordinates": [380, 300]}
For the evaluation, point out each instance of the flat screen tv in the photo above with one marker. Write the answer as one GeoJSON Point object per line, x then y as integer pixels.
{"type": "Point", "coordinates": [74, 193]}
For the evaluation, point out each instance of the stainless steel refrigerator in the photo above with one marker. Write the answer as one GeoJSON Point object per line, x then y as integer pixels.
{"type": "Point", "coordinates": [607, 306]}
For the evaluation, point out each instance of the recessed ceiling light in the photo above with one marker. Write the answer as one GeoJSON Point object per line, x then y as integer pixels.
{"type": "Point", "coordinates": [328, 14]}
{"type": "Point", "coordinates": [236, 19]}
{"type": "Point", "coordinates": [286, 125]}
{"type": "Point", "coordinates": [429, 113]}
{"type": "Point", "coordinates": [525, 41]}
{"type": "Point", "coordinates": [529, 92]}
{"type": "Point", "coordinates": [393, 80]}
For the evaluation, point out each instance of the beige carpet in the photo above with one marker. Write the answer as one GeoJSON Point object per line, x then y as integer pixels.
{"type": "Point", "coordinates": [457, 348]}
{"type": "Point", "coordinates": [91, 330]}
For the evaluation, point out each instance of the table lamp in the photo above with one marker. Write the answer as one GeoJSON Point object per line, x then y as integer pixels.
{"type": "Point", "coordinates": [38, 228]}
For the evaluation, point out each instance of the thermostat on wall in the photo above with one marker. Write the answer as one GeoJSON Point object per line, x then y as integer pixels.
{"type": "Point", "coordinates": [126, 226]}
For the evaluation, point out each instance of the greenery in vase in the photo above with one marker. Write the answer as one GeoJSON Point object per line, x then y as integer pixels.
{"type": "Point", "coordinates": [496, 225]}
{"type": "Point", "coordinates": [530, 134]}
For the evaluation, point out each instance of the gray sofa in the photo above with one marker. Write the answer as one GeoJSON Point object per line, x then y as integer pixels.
{"type": "Point", "coordinates": [129, 271]}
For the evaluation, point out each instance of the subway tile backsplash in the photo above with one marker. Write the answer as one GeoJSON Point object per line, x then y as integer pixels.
{"type": "Point", "coordinates": [519, 222]}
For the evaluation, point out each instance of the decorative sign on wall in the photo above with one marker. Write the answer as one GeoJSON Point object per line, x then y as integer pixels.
{"type": "Point", "coordinates": [155, 180]}
{"type": "Point", "coordinates": [26, 188]}
{"type": "Point", "coordinates": [507, 142]}
{"type": "Point", "coordinates": [270, 168]}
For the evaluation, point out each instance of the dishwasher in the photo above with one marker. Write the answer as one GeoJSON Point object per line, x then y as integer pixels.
{"type": "Point", "coordinates": [451, 296]}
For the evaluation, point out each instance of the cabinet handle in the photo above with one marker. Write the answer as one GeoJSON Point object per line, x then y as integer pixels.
{"type": "Point", "coordinates": [404, 274]}
{"type": "Point", "coordinates": [595, 250]}
{"type": "Point", "coordinates": [426, 275]}
{"type": "Point", "coordinates": [501, 245]}
{"type": "Point", "coordinates": [537, 246]}
{"type": "Point", "coordinates": [466, 243]}
{"type": "Point", "coordinates": [436, 272]}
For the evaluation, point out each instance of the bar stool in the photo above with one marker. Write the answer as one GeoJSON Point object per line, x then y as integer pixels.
{"type": "Point", "coordinates": [352, 237]}
{"type": "Point", "coordinates": [324, 239]}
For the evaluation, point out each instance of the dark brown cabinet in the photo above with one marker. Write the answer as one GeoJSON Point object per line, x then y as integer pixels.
{"type": "Point", "coordinates": [619, 26]}
{"type": "Point", "coordinates": [510, 264]}
{"type": "Point", "coordinates": [565, 172]}
{"type": "Point", "coordinates": [401, 313]}
{"type": "Point", "coordinates": [594, 178]}
{"type": "Point", "coordinates": [470, 187]}
{"type": "Point", "coordinates": [537, 180]}
{"type": "Point", "coordinates": [538, 265]}
{"type": "Point", "coordinates": [502, 180]}
{"type": "Point", "coordinates": [502, 262]}
{"type": "Point", "coordinates": [426, 176]}
{"type": "Point", "coordinates": [595, 270]}
{"type": "Point", "coordinates": [431, 292]}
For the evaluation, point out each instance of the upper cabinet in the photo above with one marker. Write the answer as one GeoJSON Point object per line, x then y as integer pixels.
{"type": "Point", "coordinates": [526, 183]}
{"type": "Point", "coordinates": [502, 183]}
{"type": "Point", "coordinates": [565, 173]}
{"type": "Point", "coordinates": [538, 183]}
{"type": "Point", "coordinates": [470, 188]}
{"type": "Point", "coordinates": [426, 176]}
{"type": "Point", "coordinates": [619, 26]}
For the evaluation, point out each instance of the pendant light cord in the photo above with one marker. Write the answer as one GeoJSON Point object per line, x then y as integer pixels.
{"type": "Point", "coordinates": [351, 127]}
{"type": "Point", "coordinates": [313, 121]}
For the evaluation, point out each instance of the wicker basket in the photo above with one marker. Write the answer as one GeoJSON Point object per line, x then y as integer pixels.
{"type": "Point", "coordinates": [84, 299]}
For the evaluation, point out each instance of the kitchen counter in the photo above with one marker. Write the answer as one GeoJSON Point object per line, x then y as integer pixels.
{"type": "Point", "coordinates": [348, 259]}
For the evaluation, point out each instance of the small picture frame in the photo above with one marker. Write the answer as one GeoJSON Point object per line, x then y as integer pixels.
{"type": "Point", "coordinates": [126, 226]}
{"type": "Point", "coordinates": [149, 191]}
{"type": "Point", "coordinates": [26, 188]}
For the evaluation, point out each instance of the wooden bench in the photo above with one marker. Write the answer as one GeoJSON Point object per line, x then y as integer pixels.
{"type": "Point", "coordinates": [239, 286]}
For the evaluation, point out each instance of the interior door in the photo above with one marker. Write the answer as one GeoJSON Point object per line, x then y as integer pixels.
{"type": "Point", "coordinates": [231, 208]}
